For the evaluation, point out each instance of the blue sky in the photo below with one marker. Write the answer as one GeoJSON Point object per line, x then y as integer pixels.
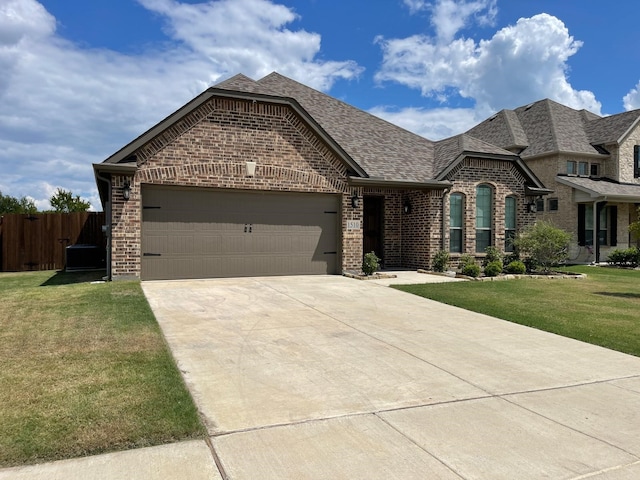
{"type": "Point", "coordinates": [80, 78]}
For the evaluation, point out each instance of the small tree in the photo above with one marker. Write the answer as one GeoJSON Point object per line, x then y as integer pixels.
{"type": "Point", "coordinates": [370, 263]}
{"type": "Point", "coordinates": [9, 204]}
{"type": "Point", "coordinates": [64, 202]}
{"type": "Point", "coordinates": [546, 245]}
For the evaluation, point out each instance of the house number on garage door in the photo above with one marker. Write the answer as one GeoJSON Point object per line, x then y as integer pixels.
{"type": "Point", "coordinates": [248, 227]}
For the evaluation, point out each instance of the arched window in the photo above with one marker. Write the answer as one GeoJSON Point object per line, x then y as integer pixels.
{"type": "Point", "coordinates": [484, 207]}
{"type": "Point", "coordinates": [509, 223]}
{"type": "Point", "coordinates": [456, 215]}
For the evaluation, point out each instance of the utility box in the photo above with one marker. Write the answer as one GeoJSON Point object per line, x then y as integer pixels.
{"type": "Point", "coordinates": [84, 257]}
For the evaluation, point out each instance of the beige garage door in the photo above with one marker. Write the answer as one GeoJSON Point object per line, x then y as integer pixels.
{"type": "Point", "coordinates": [201, 233]}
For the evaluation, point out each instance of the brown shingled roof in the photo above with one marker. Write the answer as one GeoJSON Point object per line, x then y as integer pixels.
{"type": "Point", "coordinates": [549, 127]}
{"type": "Point", "coordinates": [453, 147]}
{"type": "Point", "coordinates": [384, 150]}
{"type": "Point", "coordinates": [610, 129]}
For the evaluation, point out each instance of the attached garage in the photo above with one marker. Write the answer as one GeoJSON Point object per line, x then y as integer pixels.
{"type": "Point", "coordinates": [205, 232]}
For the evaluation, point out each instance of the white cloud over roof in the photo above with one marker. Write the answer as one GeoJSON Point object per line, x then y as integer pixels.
{"type": "Point", "coordinates": [632, 99]}
{"type": "Point", "coordinates": [519, 64]}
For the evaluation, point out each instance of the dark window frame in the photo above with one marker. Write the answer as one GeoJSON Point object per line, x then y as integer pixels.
{"type": "Point", "coordinates": [510, 233]}
{"type": "Point", "coordinates": [484, 235]}
{"type": "Point", "coordinates": [459, 230]}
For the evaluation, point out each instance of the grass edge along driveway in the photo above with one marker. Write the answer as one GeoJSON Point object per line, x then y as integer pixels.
{"type": "Point", "coordinates": [84, 369]}
{"type": "Point", "coordinates": [601, 309]}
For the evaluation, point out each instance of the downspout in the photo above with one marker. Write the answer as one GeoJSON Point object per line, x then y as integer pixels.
{"type": "Point", "coordinates": [107, 215]}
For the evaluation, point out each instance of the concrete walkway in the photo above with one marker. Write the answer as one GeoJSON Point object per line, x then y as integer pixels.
{"type": "Point", "coordinates": [328, 377]}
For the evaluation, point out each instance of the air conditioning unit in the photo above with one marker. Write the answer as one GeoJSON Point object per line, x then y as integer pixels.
{"type": "Point", "coordinates": [84, 257]}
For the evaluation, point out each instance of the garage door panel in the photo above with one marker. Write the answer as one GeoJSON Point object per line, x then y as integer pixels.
{"type": "Point", "coordinates": [197, 233]}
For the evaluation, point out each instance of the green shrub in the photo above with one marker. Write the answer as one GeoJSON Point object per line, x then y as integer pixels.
{"type": "Point", "coordinates": [471, 270]}
{"type": "Point", "coordinates": [441, 261]}
{"type": "Point", "coordinates": [468, 266]}
{"type": "Point", "coordinates": [370, 263]}
{"type": "Point", "coordinates": [492, 255]}
{"type": "Point", "coordinates": [544, 245]}
{"type": "Point", "coordinates": [493, 269]}
{"type": "Point", "coordinates": [629, 257]}
{"type": "Point", "coordinates": [516, 267]}
{"type": "Point", "coordinates": [465, 259]}
{"type": "Point", "coordinates": [511, 257]}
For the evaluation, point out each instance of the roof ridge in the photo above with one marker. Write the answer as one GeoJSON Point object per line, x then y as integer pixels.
{"type": "Point", "coordinates": [342, 102]}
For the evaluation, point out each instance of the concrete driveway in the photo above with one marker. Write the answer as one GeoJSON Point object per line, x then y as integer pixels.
{"type": "Point", "coordinates": [328, 377]}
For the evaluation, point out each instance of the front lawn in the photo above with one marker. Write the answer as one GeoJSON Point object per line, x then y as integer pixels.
{"type": "Point", "coordinates": [84, 369]}
{"type": "Point", "coordinates": [603, 309]}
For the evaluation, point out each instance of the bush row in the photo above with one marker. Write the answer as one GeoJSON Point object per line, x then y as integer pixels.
{"type": "Point", "coordinates": [629, 257]}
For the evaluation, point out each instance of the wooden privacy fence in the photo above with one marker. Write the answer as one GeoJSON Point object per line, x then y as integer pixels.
{"type": "Point", "coordinates": [39, 241]}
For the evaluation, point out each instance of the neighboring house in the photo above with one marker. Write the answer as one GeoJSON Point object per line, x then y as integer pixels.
{"type": "Point", "coordinates": [591, 163]}
{"type": "Point", "coordinates": [271, 177]}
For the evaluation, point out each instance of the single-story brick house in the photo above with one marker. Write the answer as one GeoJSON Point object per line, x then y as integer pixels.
{"type": "Point", "coordinates": [271, 177]}
{"type": "Point", "coordinates": [591, 163]}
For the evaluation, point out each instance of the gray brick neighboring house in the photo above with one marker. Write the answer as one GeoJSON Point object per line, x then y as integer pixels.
{"type": "Point", "coordinates": [271, 177]}
{"type": "Point", "coordinates": [591, 163]}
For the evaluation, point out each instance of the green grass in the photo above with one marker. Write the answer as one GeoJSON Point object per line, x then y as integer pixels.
{"type": "Point", "coordinates": [84, 369]}
{"type": "Point", "coordinates": [603, 309]}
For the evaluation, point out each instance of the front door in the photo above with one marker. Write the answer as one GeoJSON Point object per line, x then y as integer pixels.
{"type": "Point", "coordinates": [373, 240]}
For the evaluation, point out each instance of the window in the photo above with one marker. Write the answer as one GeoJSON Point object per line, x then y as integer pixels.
{"type": "Point", "coordinates": [509, 223]}
{"type": "Point", "coordinates": [636, 161]}
{"type": "Point", "coordinates": [595, 170]}
{"type": "Point", "coordinates": [571, 168]}
{"type": "Point", "coordinates": [540, 205]}
{"type": "Point", "coordinates": [583, 168]}
{"type": "Point", "coordinates": [456, 208]}
{"type": "Point", "coordinates": [553, 204]}
{"type": "Point", "coordinates": [483, 217]}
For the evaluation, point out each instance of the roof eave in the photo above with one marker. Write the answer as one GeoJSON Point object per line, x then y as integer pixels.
{"type": "Point", "coordinates": [597, 196]}
{"type": "Point", "coordinates": [570, 153]}
{"type": "Point", "coordinates": [116, 168]}
{"type": "Point", "coordinates": [400, 184]}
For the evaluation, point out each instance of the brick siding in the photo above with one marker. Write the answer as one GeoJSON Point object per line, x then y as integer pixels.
{"type": "Point", "coordinates": [505, 180]}
{"type": "Point", "coordinates": [210, 148]}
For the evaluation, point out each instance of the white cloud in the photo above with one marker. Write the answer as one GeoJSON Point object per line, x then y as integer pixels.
{"type": "Point", "coordinates": [433, 123]}
{"type": "Point", "coordinates": [66, 106]}
{"type": "Point", "coordinates": [632, 99]}
{"type": "Point", "coordinates": [416, 5]}
{"type": "Point", "coordinates": [519, 64]}
{"type": "Point", "coordinates": [448, 17]}
{"type": "Point", "coordinates": [451, 16]}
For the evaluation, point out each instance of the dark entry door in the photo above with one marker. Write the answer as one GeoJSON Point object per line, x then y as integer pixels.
{"type": "Point", "coordinates": [373, 240]}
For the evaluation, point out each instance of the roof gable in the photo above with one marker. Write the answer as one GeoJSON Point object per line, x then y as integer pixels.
{"type": "Point", "coordinates": [613, 128]}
